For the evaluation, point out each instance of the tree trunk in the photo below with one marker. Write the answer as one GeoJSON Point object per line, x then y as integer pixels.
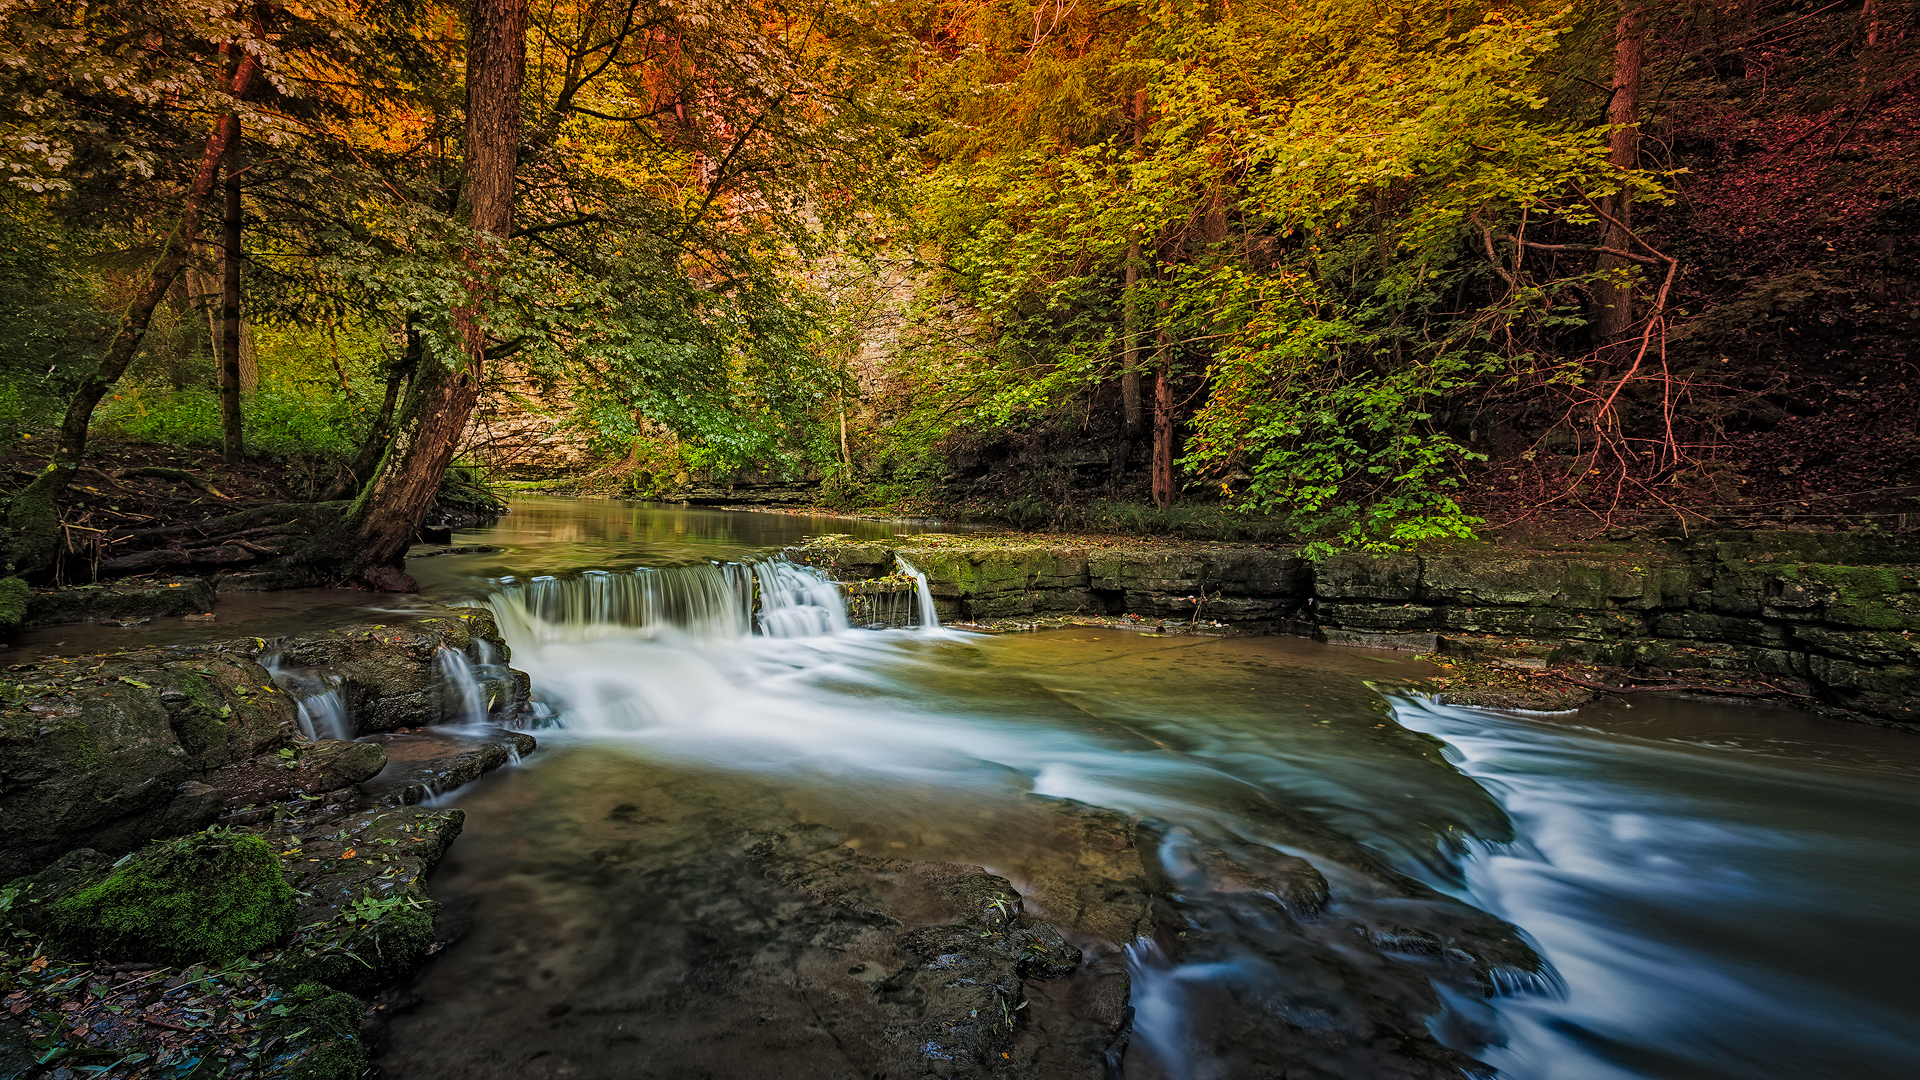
{"type": "Point", "coordinates": [375, 444]}
{"type": "Point", "coordinates": [232, 439]}
{"type": "Point", "coordinates": [1130, 303]}
{"type": "Point", "coordinates": [1613, 302]}
{"type": "Point", "coordinates": [391, 507]}
{"type": "Point", "coordinates": [33, 516]}
{"type": "Point", "coordinates": [1163, 422]}
{"type": "Point", "coordinates": [1130, 342]}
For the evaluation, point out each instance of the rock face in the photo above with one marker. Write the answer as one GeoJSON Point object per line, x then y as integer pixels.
{"type": "Point", "coordinates": [1822, 616]}
{"type": "Point", "coordinates": [143, 599]}
{"type": "Point", "coordinates": [991, 578]}
{"type": "Point", "coordinates": [408, 675]}
{"type": "Point", "coordinates": [107, 752]}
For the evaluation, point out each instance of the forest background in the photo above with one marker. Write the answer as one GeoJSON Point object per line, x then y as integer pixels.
{"type": "Point", "coordinates": [1362, 272]}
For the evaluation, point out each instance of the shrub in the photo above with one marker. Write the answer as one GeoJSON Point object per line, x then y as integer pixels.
{"type": "Point", "coordinates": [278, 422]}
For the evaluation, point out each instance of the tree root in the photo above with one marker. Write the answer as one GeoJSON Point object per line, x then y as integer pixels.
{"type": "Point", "coordinates": [178, 476]}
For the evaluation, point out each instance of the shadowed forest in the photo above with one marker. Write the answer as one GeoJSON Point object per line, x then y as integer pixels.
{"type": "Point", "coordinates": [1354, 272]}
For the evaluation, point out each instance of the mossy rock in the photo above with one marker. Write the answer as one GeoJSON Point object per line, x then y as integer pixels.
{"type": "Point", "coordinates": [14, 596]}
{"type": "Point", "coordinates": [208, 896]}
{"type": "Point", "coordinates": [364, 947]}
{"type": "Point", "coordinates": [331, 1020]}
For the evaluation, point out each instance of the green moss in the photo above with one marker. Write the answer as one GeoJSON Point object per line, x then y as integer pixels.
{"type": "Point", "coordinates": [365, 948]}
{"type": "Point", "coordinates": [33, 518]}
{"type": "Point", "coordinates": [333, 1020]}
{"type": "Point", "coordinates": [197, 723]}
{"type": "Point", "coordinates": [14, 594]}
{"type": "Point", "coordinates": [203, 897]}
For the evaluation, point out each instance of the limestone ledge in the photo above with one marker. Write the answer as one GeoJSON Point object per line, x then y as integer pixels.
{"type": "Point", "coordinates": [107, 752]}
{"type": "Point", "coordinates": [1829, 619]}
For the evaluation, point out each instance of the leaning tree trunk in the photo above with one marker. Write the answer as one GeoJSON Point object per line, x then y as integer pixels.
{"type": "Point", "coordinates": [33, 516]}
{"type": "Point", "coordinates": [390, 508]}
{"type": "Point", "coordinates": [232, 441]}
{"type": "Point", "coordinates": [1613, 300]}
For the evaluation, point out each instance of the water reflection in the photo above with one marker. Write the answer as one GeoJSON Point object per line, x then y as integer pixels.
{"type": "Point", "coordinates": [545, 535]}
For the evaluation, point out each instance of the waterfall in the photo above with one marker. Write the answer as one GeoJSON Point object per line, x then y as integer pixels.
{"type": "Point", "coordinates": [929, 618]}
{"type": "Point", "coordinates": [710, 602]}
{"type": "Point", "coordinates": [797, 601]}
{"type": "Point", "coordinates": [465, 696]}
{"type": "Point", "coordinates": [320, 702]}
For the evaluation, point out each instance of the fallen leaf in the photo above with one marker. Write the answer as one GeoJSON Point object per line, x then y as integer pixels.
{"type": "Point", "coordinates": [348, 854]}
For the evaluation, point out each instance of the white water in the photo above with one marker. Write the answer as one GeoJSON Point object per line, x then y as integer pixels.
{"type": "Point", "coordinates": [466, 698]}
{"type": "Point", "coordinates": [928, 616]}
{"type": "Point", "coordinates": [320, 703]}
{"type": "Point", "coordinates": [1685, 912]}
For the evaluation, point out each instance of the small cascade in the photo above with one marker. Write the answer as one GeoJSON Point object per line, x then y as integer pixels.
{"type": "Point", "coordinates": [881, 604]}
{"type": "Point", "coordinates": [465, 696]}
{"type": "Point", "coordinates": [797, 601]}
{"type": "Point", "coordinates": [709, 602]}
{"type": "Point", "coordinates": [320, 701]}
{"type": "Point", "coordinates": [929, 618]}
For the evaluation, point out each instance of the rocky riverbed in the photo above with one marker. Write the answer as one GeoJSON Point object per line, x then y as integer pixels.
{"type": "Point", "coordinates": [130, 779]}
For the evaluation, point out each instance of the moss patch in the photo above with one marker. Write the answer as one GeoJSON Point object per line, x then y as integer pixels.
{"type": "Point", "coordinates": [365, 947]}
{"type": "Point", "coordinates": [332, 1020]}
{"type": "Point", "coordinates": [203, 897]}
{"type": "Point", "coordinates": [14, 594]}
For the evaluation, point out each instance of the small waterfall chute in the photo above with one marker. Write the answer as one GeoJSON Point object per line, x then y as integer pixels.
{"type": "Point", "coordinates": [797, 601]}
{"type": "Point", "coordinates": [319, 698]}
{"type": "Point", "coordinates": [929, 618]}
{"type": "Point", "coordinates": [465, 695]}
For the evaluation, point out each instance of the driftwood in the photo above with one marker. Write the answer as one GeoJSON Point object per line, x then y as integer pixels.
{"type": "Point", "coordinates": [227, 541]}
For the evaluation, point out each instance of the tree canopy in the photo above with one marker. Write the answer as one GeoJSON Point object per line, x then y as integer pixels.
{"type": "Point", "coordinates": [1342, 251]}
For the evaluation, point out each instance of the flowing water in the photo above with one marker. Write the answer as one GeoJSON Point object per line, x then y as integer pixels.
{"type": "Point", "coordinates": [1718, 891]}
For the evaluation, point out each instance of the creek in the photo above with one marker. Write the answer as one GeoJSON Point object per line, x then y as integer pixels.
{"type": "Point", "coordinates": [1717, 890]}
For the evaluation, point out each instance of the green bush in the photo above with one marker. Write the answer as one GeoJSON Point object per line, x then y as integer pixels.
{"type": "Point", "coordinates": [209, 896]}
{"type": "Point", "coordinates": [280, 423]}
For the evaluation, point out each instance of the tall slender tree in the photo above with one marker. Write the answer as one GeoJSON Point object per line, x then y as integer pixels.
{"type": "Point", "coordinates": [1613, 298]}
{"type": "Point", "coordinates": [33, 515]}
{"type": "Point", "coordinates": [232, 440]}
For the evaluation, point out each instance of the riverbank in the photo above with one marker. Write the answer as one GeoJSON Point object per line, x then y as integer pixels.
{"type": "Point", "coordinates": [1821, 620]}
{"type": "Point", "coordinates": [135, 779]}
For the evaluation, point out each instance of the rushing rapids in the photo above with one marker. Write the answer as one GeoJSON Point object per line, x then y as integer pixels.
{"type": "Point", "coordinates": [1330, 866]}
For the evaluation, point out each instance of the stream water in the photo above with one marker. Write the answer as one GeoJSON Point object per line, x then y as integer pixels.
{"type": "Point", "coordinates": [1718, 891]}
